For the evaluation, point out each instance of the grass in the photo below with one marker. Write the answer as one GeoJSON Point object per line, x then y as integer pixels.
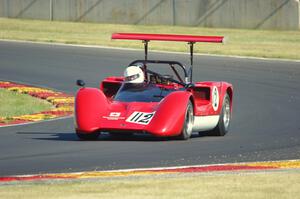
{"type": "Point", "coordinates": [283, 185]}
{"type": "Point", "coordinates": [15, 104]}
{"type": "Point", "coordinates": [257, 43]}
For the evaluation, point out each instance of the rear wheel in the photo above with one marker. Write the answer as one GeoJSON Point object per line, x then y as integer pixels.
{"type": "Point", "coordinates": [188, 122]}
{"type": "Point", "coordinates": [225, 117]}
{"type": "Point", "coordinates": [89, 136]}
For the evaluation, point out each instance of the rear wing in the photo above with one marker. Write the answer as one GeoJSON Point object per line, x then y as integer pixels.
{"type": "Point", "coordinates": [190, 39]}
{"type": "Point", "coordinates": [168, 37]}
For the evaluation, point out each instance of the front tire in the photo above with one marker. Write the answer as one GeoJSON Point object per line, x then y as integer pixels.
{"type": "Point", "coordinates": [188, 122]}
{"type": "Point", "coordinates": [225, 118]}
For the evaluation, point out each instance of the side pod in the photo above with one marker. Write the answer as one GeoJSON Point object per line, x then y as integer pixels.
{"type": "Point", "coordinates": [169, 117]}
{"type": "Point", "coordinates": [90, 104]}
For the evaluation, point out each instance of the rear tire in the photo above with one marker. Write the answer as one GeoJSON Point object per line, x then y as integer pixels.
{"type": "Point", "coordinates": [188, 122]}
{"type": "Point", "coordinates": [225, 117]}
{"type": "Point", "coordinates": [89, 136]}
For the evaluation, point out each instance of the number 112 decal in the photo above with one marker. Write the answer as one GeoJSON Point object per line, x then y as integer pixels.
{"type": "Point", "coordinates": [140, 117]}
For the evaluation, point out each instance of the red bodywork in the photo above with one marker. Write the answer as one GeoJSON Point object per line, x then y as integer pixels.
{"type": "Point", "coordinates": [94, 108]}
{"type": "Point", "coordinates": [97, 111]}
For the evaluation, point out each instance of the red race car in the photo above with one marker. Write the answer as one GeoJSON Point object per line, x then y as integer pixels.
{"type": "Point", "coordinates": [145, 101]}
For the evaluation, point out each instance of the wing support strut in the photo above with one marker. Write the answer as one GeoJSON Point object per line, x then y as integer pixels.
{"type": "Point", "coordinates": [145, 42]}
{"type": "Point", "coordinates": [191, 44]}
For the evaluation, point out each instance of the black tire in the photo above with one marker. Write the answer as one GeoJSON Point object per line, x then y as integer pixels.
{"type": "Point", "coordinates": [225, 118]}
{"type": "Point", "coordinates": [90, 136]}
{"type": "Point", "coordinates": [187, 128]}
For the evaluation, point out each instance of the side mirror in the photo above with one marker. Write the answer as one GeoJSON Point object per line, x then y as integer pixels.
{"type": "Point", "coordinates": [80, 83]}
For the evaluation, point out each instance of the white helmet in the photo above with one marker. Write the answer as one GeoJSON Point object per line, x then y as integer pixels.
{"type": "Point", "coordinates": [134, 74]}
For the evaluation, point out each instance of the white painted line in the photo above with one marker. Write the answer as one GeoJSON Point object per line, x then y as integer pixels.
{"type": "Point", "coordinates": [191, 166]}
{"type": "Point", "coordinates": [155, 168]}
{"type": "Point", "coordinates": [157, 51]}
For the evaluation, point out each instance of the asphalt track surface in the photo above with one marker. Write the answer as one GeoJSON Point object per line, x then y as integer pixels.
{"type": "Point", "coordinates": [265, 125]}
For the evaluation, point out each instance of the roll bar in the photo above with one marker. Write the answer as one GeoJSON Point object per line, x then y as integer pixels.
{"type": "Point", "coordinates": [190, 39]}
{"type": "Point", "coordinates": [171, 63]}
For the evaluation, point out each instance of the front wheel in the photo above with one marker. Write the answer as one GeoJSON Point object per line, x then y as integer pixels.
{"type": "Point", "coordinates": [225, 118]}
{"type": "Point", "coordinates": [188, 122]}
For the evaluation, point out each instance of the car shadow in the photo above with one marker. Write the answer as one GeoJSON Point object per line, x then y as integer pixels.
{"type": "Point", "coordinates": [104, 137]}
{"type": "Point", "coordinates": [68, 136]}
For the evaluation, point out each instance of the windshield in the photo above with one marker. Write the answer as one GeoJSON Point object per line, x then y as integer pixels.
{"type": "Point", "coordinates": [144, 92]}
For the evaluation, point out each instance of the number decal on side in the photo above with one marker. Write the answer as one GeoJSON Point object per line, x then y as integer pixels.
{"type": "Point", "coordinates": [215, 98]}
{"type": "Point", "coordinates": [140, 117]}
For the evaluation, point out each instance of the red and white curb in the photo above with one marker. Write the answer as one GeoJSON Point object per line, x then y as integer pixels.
{"type": "Point", "coordinates": [63, 104]}
{"type": "Point", "coordinates": [234, 167]}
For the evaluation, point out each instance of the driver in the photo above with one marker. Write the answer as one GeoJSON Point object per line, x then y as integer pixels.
{"type": "Point", "coordinates": [134, 74]}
